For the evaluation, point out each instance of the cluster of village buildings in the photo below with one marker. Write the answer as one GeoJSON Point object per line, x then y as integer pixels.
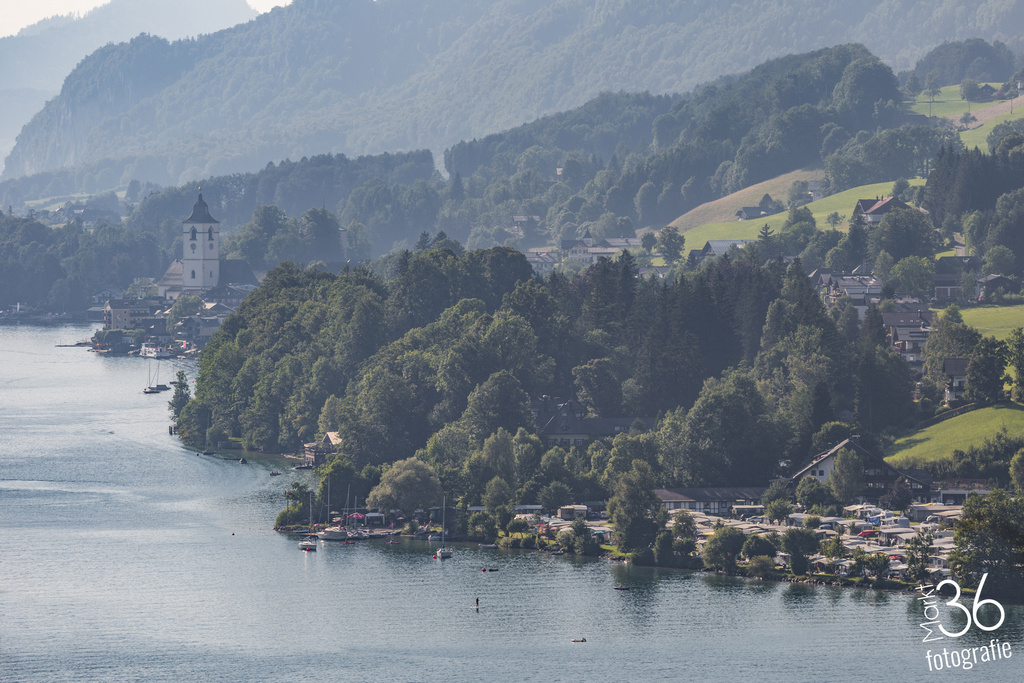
{"type": "Point", "coordinates": [221, 283]}
{"type": "Point", "coordinates": [935, 509]}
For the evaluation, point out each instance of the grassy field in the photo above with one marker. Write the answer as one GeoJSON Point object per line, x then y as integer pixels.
{"type": "Point", "coordinates": [978, 137]}
{"type": "Point", "coordinates": [842, 202]}
{"type": "Point", "coordinates": [996, 321]}
{"type": "Point", "coordinates": [948, 103]}
{"type": "Point", "coordinates": [939, 441]}
{"type": "Point", "coordinates": [724, 210]}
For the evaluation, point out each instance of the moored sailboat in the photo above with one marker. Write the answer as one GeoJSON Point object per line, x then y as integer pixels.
{"type": "Point", "coordinates": [444, 552]}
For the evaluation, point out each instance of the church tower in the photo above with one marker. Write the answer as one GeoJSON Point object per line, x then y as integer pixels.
{"type": "Point", "coordinates": [200, 248]}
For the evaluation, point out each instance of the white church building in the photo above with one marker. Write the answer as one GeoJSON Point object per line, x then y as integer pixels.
{"type": "Point", "coordinates": [201, 268]}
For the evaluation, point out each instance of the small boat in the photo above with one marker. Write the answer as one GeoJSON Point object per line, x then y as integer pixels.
{"type": "Point", "coordinates": [308, 544]}
{"type": "Point", "coordinates": [243, 461]}
{"type": "Point", "coordinates": [443, 553]}
{"type": "Point", "coordinates": [393, 542]}
{"type": "Point", "coordinates": [579, 640]}
{"type": "Point", "coordinates": [154, 351]}
{"type": "Point", "coordinates": [620, 587]}
{"type": "Point", "coordinates": [333, 533]}
{"type": "Point", "coordinates": [210, 451]}
{"type": "Point", "coordinates": [303, 467]}
{"type": "Point", "coordinates": [155, 387]}
{"type": "Point", "coordinates": [558, 552]}
{"type": "Point", "coordinates": [273, 473]}
{"type": "Point", "coordinates": [488, 545]}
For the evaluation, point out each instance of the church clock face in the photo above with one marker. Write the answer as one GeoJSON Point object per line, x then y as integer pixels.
{"type": "Point", "coordinates": [193, 246]}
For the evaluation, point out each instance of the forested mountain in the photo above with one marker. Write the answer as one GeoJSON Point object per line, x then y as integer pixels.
{"type": "Point", "coordinates": [618, 163]}
{"type": "Point", "coordinates": [35, 62]}
{"type": "Point", "coordinates": [362, 76]}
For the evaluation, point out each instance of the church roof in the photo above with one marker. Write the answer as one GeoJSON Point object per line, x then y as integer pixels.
{"type": "Point", "coordinates": [200, 213]}
{"type": "Point", "coordinates": [174, 276]}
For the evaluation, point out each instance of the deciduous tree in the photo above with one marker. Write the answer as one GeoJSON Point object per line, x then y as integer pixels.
{"type": "Point", "coordinates": [636, 512]}
{"type": "Point", "coordinates": [847, 477]}
{"type": "Point", "coordinates": [408, 485]}
{"type": "Point", "coordinates": [723, 548]}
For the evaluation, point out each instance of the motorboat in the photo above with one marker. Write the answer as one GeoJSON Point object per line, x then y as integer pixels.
{"type": "Point", "coordinates": [488, 545]}
{"type": "Point", "coordinates": [333, 533]}
{"type": "Point", "coordinates": [275, 473]}
{"type": "Point", "coordinates": [154, 351]}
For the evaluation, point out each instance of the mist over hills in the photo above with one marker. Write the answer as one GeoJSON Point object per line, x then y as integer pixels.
{"type": "Point", "coordinates": [35, 62]}
{"type": "Point", "coordinates": [365, 77]}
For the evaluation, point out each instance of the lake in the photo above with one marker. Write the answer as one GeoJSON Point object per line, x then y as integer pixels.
{"type": "Point", "coordinates": [125, 556]}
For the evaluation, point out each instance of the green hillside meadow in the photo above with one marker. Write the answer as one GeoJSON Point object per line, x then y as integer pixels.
{"type": "Point", "coordinates": [843, 202]}
{"type": "Point", "coordinates": [978, 137]}
{"type": "Point", "coordinates": [940, 440]}
{"type": "Point", "coordinates": [996, 321]}
{"type": "Point", "coordinates": [948, 103]}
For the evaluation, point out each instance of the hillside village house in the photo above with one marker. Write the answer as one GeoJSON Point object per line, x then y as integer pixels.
{"type": "Point", "coordinates": [713, 248]}
{"type": "Point", "coordinates": [565, 423]}
{"type": "Point", "coordinates": [129, 314]}
{"type": "Point", "coordinates": [908, 333]}
{"type": "Point", "coordinates": [949, 272]}
{"type": "Point", "coordinates": [955, 370]}
{"type": "Point", "coordinates": [542, 261]}
{"type": "Point", "coordinates": [879, 476]}
{"type": "Point", "coordinates": [991, 283]}
{"type": "Point", "coordinates": [862, 289]}
{"type": "Point", "coordinates": [748, 213]}
{"type": "Point", "coordinates": [873, 210]}
{"type": "Point", "coordinates": [587, 251]}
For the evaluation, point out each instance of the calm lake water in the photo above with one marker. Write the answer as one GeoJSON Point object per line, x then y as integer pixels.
{"type": "Point", "coordinates": [124, 556]}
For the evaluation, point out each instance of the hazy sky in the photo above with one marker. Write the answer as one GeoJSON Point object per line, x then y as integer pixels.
{"type": "Point", "coordinates": [17, 14]}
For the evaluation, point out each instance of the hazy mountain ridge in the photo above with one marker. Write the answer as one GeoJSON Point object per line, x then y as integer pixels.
{"type": "Point", "coordinates": [365, 77]}
{"type": "Point", "coordinates": [36, 61]}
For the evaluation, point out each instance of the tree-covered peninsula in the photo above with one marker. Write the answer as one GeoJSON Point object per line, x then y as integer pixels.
{"type": "Point", "coordinates": [732, 367]}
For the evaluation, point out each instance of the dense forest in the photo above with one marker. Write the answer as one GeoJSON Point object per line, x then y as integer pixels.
{"type": "Point", "coordinates": [365, 77]}
{"type": "Point", "coordinates": [738, 359]}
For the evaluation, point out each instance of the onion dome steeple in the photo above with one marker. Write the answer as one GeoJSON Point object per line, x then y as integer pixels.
{"type": "Point", "coordinates": [200, 212]}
